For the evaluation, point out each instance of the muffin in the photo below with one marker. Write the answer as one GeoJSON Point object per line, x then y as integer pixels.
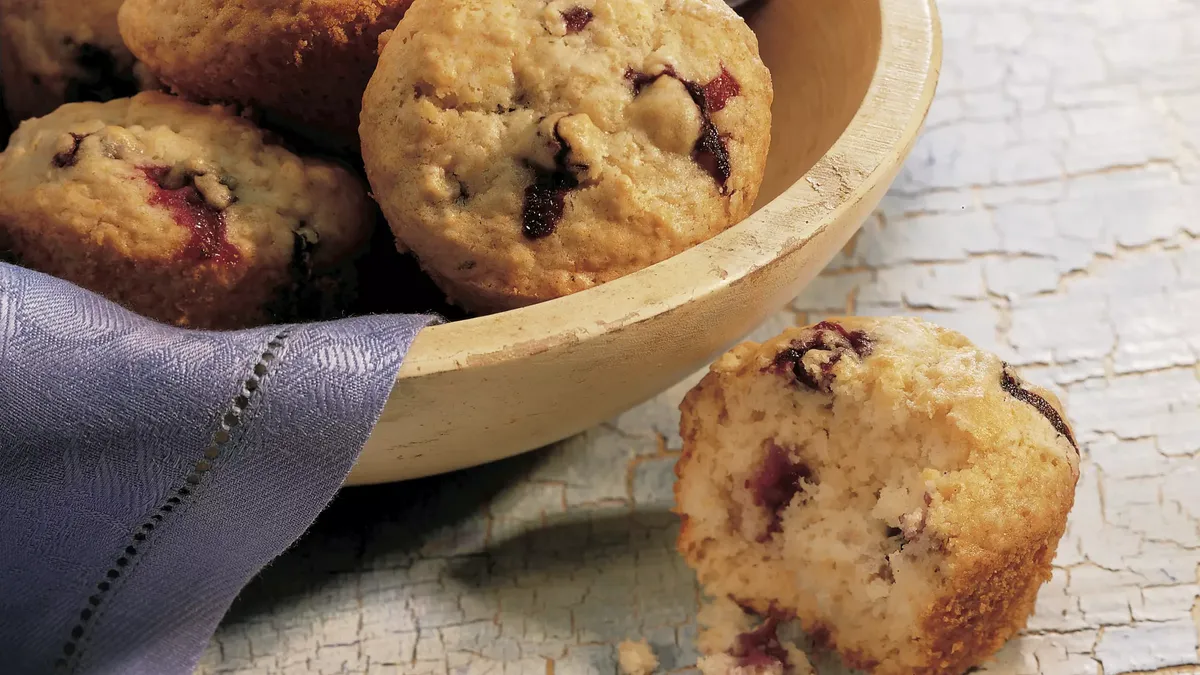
{"type": "Point", "coordinates": [899, 491]}
{"type": "Point", "coordinates": [181, 212]}
{"type": "Point", "coordinates": [304, 68]}
{"type": "Point", "coordinates": [62, 51]}
{"type": "Point", "coordinates": [526, 150]}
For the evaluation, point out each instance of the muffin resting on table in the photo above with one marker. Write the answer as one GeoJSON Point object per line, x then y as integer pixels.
{"type": "Point", "coordinates": [896, 489]}
{"type": "Point", "coordinates": [181, 212]}
{"type": "Point", "coordinates": [526, 149]}
{"type": "Point", "coordinates": [304, 65]}
{"type": "Point", "coordinates": [61, 51]}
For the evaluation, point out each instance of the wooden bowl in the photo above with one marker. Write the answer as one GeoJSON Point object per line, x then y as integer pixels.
{"type": "Point", "coordinates": [853, 81]}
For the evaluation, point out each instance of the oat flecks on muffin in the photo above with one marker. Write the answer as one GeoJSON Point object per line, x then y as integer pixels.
{"type": "Point", "coordinates": [181, 212]}
{"type": "Point", "coordinates": [528, 149]}
{"type": "Point", "coordinates": [893, 487]}
{"type": "Point", "coordinates": [61, 51]}
{"type": "Point", "coordinates": [304, 68]}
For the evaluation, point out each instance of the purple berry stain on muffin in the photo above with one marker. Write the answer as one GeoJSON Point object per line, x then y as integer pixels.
{"type": "Point", "coordinates": [69, 157]}
{"type": "Point", "coordinates": [712, 155]}
{"type": "Point", "coordinates": [760, 648]}
{"type": "Point", "coordinates": [710, 150]}
{"type": "Point", "coordinates": [640, 80]}
{"type": "Point", "coordinates": [825, 336]}
{"type": "Point", "coordinates": [577, 18]}
{"type": "Point", "coordinates": [545, 199]}
{"type": "Point", "coordinates": [205, 223]}
{"type": "Point", "coordinates": [1010, 385]}
{"type": "Point", "coordinates": [718, 92]}
{"type": "Point", "coordinates": [776, 483]}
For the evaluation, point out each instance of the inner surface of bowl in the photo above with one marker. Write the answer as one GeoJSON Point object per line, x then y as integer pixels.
{"type": "Point", "coordinates": [852, 81]}
{"type": "Point", "coordinates": [821, 62]}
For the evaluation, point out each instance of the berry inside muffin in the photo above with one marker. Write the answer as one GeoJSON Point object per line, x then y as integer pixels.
{"type": "Point", "coordinates": [733, 645]}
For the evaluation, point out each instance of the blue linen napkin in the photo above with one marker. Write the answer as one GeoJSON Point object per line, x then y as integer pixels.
{"type": "Point", "coordinates": [148, 472]}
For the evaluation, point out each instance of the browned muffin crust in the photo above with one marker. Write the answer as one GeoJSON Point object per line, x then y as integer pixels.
{"type": "Point", "coordinates": [304, 69]}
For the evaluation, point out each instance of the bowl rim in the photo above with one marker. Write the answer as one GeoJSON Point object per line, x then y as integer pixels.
{"type": "Point", "coordinates": [895, 105]}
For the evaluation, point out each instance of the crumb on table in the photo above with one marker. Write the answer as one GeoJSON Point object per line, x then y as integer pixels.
{"type": "Point", "coordinates": [636, 658]}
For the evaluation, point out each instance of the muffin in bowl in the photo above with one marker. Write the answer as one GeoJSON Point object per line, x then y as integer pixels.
{"type": "Point", "coordinates": [528, 150]}
{"type": "Point", "coordinates": [181, 212]}
{"type": "Point", "coordinates": [302, 67]}
{"type": "Point", "coordinates": [63, 51]}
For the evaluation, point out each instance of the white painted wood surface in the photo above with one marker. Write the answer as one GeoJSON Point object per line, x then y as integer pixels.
{"type": "Point", "coordinates": [1051, 212]}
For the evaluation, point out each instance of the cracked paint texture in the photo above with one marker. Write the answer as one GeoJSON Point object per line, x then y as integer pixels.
{"type": "Point", "coordinates": [1048, 212]}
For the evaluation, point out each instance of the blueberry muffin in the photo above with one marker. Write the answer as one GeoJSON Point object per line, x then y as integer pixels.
{"type": "Point", "coordinates": [302, 67]}
{"type": "Point", "coordinates": [60, 51]}
{"type": "Point", "coordinates": [894, 488]}
{"type": "Point", "coordinates": [181, 212]}
{"type": "Point", "coordinates": [526, 149]}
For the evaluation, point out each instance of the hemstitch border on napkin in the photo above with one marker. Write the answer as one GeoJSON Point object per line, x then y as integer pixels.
{"type": "Point", "coordinates": [72, 650]}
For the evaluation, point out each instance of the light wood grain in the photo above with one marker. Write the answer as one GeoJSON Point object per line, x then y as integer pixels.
{"type": "Point", "coordinates": [853, 80]}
